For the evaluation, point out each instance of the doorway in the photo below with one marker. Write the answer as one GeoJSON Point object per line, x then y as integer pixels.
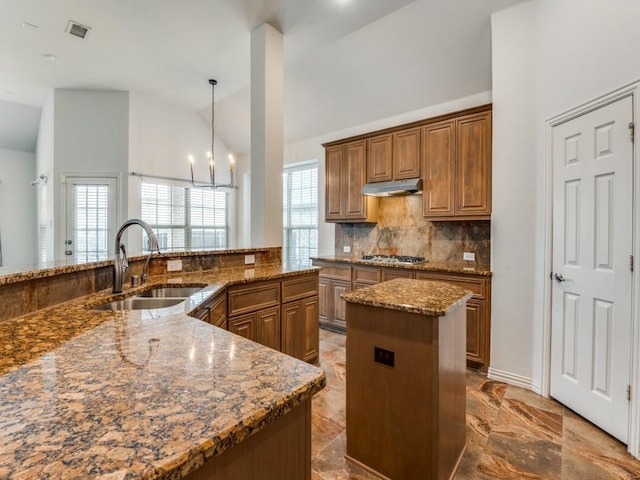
{"type": "Point", "coordinates": [592, 276]}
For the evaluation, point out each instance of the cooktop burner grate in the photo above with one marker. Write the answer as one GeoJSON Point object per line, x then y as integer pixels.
{"type": "Point", "coordinates": [393, 259]}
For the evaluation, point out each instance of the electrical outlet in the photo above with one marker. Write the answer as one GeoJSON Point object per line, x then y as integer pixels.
{"type": "Point", "coordinates": [249, 259]}
{"type": "Point", "coordinates": [469, 256]}
{"type": "Point", "coordinates": [346, 249]}
{"type": "Point", "coordinates": [174, 265]}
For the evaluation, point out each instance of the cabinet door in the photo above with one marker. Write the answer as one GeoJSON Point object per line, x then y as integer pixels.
{"type": "Point", "coordinates": [268, 327]}
{"type": "Point", "coordinates": [354, 202]}
{"type": "Point", "coordinates": [218, 312]}
{"type": "Point", "coordinates": [439, 169]}
{"type": "Point", "coordinates": [334, 158]}
{"type": "Point", "coordinates": [339, 305]}
{"type": "Point", "coordinates": [323, 299]}
{"type": "Point", "coordinates": [475, 331]}
{"type": "Point", "coordinates": [309, 313]}
{"type": "Point", "coordinates": [379, 159]}
{"type": "Point", "coordinates": [245, 326]}
{"type": "Point", "coordinates": [406, 154]}
{"type": "Point", "coordinates": [473, 175]}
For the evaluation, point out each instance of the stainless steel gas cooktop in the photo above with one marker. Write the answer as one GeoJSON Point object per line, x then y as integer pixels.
{"type": "Point", "coordinates": [404, 259]}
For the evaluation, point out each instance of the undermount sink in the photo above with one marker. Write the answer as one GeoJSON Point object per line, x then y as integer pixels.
{"type": "Point", "coordinates": [170, 292]}
{"type": "Point", "coordinates": [138, 303]}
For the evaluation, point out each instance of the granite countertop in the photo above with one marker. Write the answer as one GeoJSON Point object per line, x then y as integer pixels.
{"type": "Point", "coordinates": [428, 266]}
{"type": "Point", "coordinates": [49, 269]}
{"type": "Point", "coordinates": [424, 297]}
{"type": "Point", "coordinates": [138, 394]}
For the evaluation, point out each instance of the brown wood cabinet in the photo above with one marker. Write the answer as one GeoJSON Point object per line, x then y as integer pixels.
{"type": "Point", "coordinates": [337, 278]}
{"type": "Point", "coordinates": [300, 328]}
{"type": "Point", "coordinates": [213, 311]}
{"type": "Point", "coordinates": [345, 176]}
{"type": "Point", "coordinates": [478, 313]}
{"type": "Point", "coordinates": [456, 159]}
{"type": "Point", "coordinates": [282, 315]}
{"type": "Point", "coordinates": [394, 156]}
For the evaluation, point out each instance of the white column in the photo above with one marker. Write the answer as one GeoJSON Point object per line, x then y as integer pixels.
{"type": "Point", "coordinates": [267, 136]}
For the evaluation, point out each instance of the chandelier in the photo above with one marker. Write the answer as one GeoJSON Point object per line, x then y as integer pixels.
{"type": "Point", "coordinates": [210, 156]}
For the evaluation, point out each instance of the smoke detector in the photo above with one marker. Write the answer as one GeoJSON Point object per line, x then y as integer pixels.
{"type": "Point", "coordinates": [77, 29]}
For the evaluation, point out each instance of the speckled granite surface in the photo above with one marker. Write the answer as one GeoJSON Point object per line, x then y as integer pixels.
{"type": "Point", "coordinates": [414, 296]}
{"type": "Point", "coordinates": [29, 272]}
{"type": "Point", "coordinates": [137, 394]}
{"type": "Point", "coordinates": [428, 266]}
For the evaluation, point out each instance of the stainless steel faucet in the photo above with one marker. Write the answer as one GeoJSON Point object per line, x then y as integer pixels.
{"type": "Point", "coordinates": [120, 262]}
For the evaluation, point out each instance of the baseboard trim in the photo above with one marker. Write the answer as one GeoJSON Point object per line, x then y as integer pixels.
{"type": "Point", "coordinates": [514, 379]}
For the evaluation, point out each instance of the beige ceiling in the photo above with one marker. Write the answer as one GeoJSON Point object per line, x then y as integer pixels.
{"type": "Point", "coordinates": [347, 62]}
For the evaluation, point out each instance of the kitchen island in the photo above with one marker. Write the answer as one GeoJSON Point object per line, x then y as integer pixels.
{"type": "Point", "coordinates": [157, 394]}
{"type": "Point", "coordinates": [406, 378]}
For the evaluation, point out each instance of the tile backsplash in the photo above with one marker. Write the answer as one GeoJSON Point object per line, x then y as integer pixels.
{"type": "Point", "coordinates": [402, 230]}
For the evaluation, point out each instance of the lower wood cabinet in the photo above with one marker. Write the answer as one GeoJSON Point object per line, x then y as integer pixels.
{"type": "Point", "coordinates": [478, 314]}
{"type": "Point", "coordinates": [338, 278]}
{"type": "Point", "coordinates": [282, 314]}
{"type": "Point", "coordinates": [300, 329]}
{"type": "Point", "coordinates": [213, 311]}
{"type": "Point", "coordinates": [262, 326]}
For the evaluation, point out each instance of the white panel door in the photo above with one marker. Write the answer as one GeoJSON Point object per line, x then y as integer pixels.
{"type": "Point", "coordinates": [592, 244]}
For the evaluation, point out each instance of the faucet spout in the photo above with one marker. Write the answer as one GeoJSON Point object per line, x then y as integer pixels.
{"type": "Point", "coordinates": [120, 263]}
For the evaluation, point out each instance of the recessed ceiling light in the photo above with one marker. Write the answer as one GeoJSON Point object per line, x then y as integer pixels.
{"type": "Point", "coordinates": [29, 25]}
{"type": "Point", "coordinates": [49, 56]}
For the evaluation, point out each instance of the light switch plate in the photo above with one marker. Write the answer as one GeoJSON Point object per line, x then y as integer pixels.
{"type": "Point", "coordinates": [174, 265]}
{"type": "Point", "coordinates": [249, 259]}
{"type": "Point", "coordinates": [469, 256]}
{"type": "Point", "coordinates": [346, 249]}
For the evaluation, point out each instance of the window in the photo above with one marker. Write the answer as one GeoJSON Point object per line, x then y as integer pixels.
{"type": "Point", "coordinates": [185, 218]}
{"type": "Point", "coordinates": [300, 213]}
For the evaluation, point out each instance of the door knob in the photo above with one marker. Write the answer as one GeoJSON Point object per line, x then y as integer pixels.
{"type": "Point", "coordinates": [558, 276]}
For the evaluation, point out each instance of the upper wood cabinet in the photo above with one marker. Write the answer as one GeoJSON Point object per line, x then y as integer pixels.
{"type": "Point", "coordinates": [345, 176]}
{"type": "Point", "coordinates": [393, 156]}
{"type": "Point", "coordinates": [406, 154]}
{"type": "Point", "coordinates": [457, 168]}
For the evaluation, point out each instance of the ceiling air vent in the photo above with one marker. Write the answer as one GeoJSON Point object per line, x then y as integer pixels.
{"type": "Point", "coordinates": [77, 29]}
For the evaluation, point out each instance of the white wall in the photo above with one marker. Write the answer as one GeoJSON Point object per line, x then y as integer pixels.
{"type": "Point", "coordinates": [91, 136]}
{"type": "Point", "coordinates": [44, 166]}
{"type": "Point", "coordinates": [17, 208]}
{"type": "Point", "coordinates": [161, 137]}
{"type": "Point", "coordinates": [581, 50]}
{"type": "Point", "coordinates": [513, 226]}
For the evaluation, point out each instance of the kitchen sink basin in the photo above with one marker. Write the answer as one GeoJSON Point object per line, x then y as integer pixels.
{"type": "Point", "coordinates": [137, 303]}
{"type": "Point", "coordinates": [170, 292]}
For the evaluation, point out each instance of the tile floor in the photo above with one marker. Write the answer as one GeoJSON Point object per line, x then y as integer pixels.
{"type": "Point", "coordinates": [512, 433]}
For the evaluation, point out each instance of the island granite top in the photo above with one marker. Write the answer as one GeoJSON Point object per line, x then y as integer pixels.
{"type": "Point", "coordinates": [137, 394]}
{"type": "Point", "coordinates": [424, 297]}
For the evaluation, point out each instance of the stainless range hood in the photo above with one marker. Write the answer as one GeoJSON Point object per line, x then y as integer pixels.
{"type": "Point", "coordinates": [393, 188]}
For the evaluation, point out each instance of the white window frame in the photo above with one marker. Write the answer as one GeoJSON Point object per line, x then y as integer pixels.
{"type": "Point", "coordinates": [187, 226]}
{"type": "Point", "coordinates": [287, 229]}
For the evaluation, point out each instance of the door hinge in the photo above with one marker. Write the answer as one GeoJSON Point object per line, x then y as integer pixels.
{"type": "Point", "coordinates": [631, 262]}
{"type": "Point", "coordinates": [632, 129]}
{"type": "Point", "coordinates": [629, 393]}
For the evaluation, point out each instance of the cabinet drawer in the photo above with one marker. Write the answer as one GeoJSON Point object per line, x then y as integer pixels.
{"type": "Point", "coordinates": [476, 285]}
{"type": "Point", "coordinates": [332, 270]}
{"type": "Point", "coordinates": [300, 287]}
{"type": "Point", "coordinates": [391, 273]}
{"type": "Point", "coordinates": [366, 275]}
{"type": "Point", "coordinates": [244, 299]}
